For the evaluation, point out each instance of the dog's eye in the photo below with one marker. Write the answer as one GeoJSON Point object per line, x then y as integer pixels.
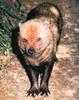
{"type": "Point", "coordinates": [39, 39]}
{"type": "Point", "coordinates": [24, 40]}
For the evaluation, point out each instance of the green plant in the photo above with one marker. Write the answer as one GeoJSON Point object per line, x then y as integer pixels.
{"type": "Point", "coordinates": [10, 16]}
{"type": "Point", "coordinates": [5, 42]}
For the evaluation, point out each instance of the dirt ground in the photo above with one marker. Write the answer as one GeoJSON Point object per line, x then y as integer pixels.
{"type": "Point", "coordinates": [64, 80]}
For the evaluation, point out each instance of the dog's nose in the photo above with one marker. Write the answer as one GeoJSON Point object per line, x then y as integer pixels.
{"type": "Point", "coordinates": [31, 52]}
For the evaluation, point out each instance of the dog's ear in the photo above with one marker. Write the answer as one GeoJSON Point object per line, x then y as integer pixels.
{"type": "Point", "coordinates": [20, 25]}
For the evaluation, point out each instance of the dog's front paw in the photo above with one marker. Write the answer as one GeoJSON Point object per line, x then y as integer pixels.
{"type": "Point", "coordinates": [44, 90]}
{"type": "Point", "coordinates": [33, 91]}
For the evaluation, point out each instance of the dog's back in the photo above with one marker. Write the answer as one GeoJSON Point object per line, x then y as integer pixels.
{"type": "Point", "coordinates": [46, 10]}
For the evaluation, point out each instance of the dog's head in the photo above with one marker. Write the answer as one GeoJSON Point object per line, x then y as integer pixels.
{"type": "Point", "coordinates": [34, 37]}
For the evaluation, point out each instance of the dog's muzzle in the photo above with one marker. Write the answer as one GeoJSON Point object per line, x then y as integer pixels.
{"type": "Point", "coordinates": [30, 52]}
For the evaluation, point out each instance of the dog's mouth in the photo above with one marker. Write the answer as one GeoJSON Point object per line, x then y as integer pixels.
{"type": "Point", "coordinates": [34, 53]}
{"type": "Point", "coordinates": [28, 53]}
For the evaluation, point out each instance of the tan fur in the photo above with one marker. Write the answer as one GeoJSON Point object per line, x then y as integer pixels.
{"type": "Point", "coordinates": [54, 11]}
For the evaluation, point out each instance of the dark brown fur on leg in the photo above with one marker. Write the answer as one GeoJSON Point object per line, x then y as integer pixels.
{"type": "Point", "coordinates": [45, 79]}
{"type": "Point", "coordinates": [34, 89]}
